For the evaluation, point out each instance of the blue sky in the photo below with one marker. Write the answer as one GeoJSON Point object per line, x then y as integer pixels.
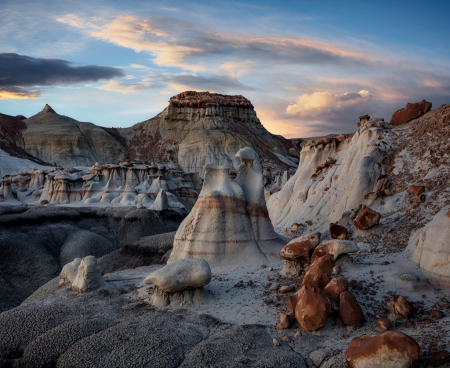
{"type": "Point", "coordinates": [309, 67]}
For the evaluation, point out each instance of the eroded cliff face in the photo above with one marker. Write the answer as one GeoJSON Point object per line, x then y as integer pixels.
{"type": "Point", "coordinates": [199, 128]}
{"type": "Point", "coordinates": [56, 138]}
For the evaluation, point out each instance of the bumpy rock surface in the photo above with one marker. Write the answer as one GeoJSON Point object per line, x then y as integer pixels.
{"type": "Point", "coordinates": [182, 274]}
{"type": "Point", "coordinates": [391, 349]}
{"type": "Point", "coordinates": [410, 112]}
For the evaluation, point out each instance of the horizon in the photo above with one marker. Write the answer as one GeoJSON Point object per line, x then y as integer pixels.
{"type": "Point", "coordinates": [308, 69]}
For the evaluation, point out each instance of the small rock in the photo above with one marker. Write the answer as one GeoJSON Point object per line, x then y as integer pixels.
{"type": "Point", "coordinates": [298, 334]}
{"type": "Point", "coordinates": [286, 289]}
{"type": "Point", "coordinates": [273, 287]}
{"type": "Point", "coordinates": [318, 356]}
{"type": "Point", "coordinates": [270, 269]}
{"type": "Point", "coordinates": [286, 339]}
{"type": "Point", "coordinates": [440, 357]}
{"type": "Point", "coordinates": [338, 322]}
{"type": "Point", "coordinates": [335, 287]}
{"type": "Point", "coordinates": [349, 309]}
{"type": "Point", "coordinates": [435, 314]}
{"type": "Point", "coordinates": [383, 324]}
{"type": "Point", "coordinates": [285, 321]}
{"type": "Point", "coordinates": [399, 307]}
{"type": "Point", "coordinates": [336, 270]}
{"type": "Point", "coordinates": [337, 230]}
{"type": "Point", "coordinates": [275, 342]}
{"type": "Point", "coordinates": [366, 219]}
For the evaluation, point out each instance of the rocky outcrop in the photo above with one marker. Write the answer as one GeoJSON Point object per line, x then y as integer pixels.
{"type": "Point", "coordinates": [229, 222]}
{"type": "Point", "coordinates": [332, 178]}
{"type": "Point", "coordinates": [410, 112]}
{"type": "Point", "coordinates": [89, 277]}
{"type": "Point", "coordinates": [199, 128]}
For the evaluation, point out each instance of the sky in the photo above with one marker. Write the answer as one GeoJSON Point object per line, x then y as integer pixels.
{"type": "Point", "coordinates": [309, 67]}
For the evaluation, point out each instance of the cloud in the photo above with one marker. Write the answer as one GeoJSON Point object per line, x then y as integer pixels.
{"type": "Point", "coordinates": [321, 101]}
{"type": "Point", "coordinates": [179, 43]}
{"type": "Point", "coordinates": [179, 83]}
{"type": "Point", "coordinates": [17, 93]}
{"type": "Point", "coordinates": [19, 71]}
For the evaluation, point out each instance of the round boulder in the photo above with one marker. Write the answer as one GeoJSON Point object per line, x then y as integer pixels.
{"type": "Point", "coordinates": [391, 349]}
{"type": "Point", "coordinates": [182, 274]}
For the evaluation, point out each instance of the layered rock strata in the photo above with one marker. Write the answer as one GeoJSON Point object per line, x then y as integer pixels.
{"type": "Point", "coordinates": [229, 222]}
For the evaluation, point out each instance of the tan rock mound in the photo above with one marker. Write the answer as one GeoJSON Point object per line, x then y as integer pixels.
{"type": "Point", "coordinates": [410, 112]}
{"type": "Point", "coordinates": [391, 349]}
{"type": "Point", "coordinates": [88, 277]}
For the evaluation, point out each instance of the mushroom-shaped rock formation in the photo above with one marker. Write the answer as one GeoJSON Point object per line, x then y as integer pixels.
{"type": "Point", "coordinates": [391, 349]}
{"type": "Point", "coordinates": [349, 309]}
{"type": "Point", "coordinates": [312, 309]}
{"type": "Point", "coordinates": [335, 287]}
{"type": "Point", "coordinates": [229, 222]}
{"type": "Point", "coordinates": [366, 219]}
{"type": "Point", "coordinates": [69, 273]}
{"type": "Point", "coordinates": [161, 202]}
{"type": "Point", "coordinates": [88, 276]}
{"type": "Point", "coordinates": [182, 274]}
{"type": "Point", "coordinates": [297, 253]}
{"type": "Point", "coordinates": [335, 248]}
{"type": "Point", "coordinates": [319, 273]}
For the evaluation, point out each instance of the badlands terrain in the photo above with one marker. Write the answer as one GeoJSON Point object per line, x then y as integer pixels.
{"type": "Point", "coordinates": [198, 239]}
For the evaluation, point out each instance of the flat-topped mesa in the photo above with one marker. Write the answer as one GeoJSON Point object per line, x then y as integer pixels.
{"type": "Point", "coordinates": [206, 99]}
{"type": "Point", "coordinates": [193, 105]}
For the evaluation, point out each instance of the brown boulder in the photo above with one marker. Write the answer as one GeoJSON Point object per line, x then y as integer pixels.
{"type": "Point", "coordinates": [399, 307]}
{"type": "Point", "coordinates": [313, 309]}
{"type": "Point", "coordinates": [297, 251]}
{"type": "Point", "coordinates": [335, 287]}
{"type": "Point", "coordinates": [319, 273]}
{"type": "Point", "coordinates": [367, 219]}
{"type": "Point", "coordinates": [286, 289]}
{"type": "Point", "coordinates": [349, 309]}
{"type": "Point", "coordinates": [416, 190]}
{"type": "Point", "coordinates": [383, 324]}
{"type": "Point", "coordinates": [285, 321]}
{"type": "Point", "coordinates": [410, 112]}
{"type": "Point", "coordinates": [390, 349]}
{"type": "Point", "coordinates": [337, 230]}
{"type": "Point", "coordinates": [293, 299]}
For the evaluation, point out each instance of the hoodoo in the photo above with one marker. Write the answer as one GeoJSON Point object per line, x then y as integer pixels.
{"type": "Point", "coordinates": [229, 222]}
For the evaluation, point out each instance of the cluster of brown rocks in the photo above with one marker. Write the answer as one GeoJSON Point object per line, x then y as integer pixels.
{"type": "Point", "coordinates": [320, 296]}
{"type": "Point", "coordinates": [204, 99]}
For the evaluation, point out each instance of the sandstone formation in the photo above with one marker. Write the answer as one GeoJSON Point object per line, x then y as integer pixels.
{"type": "Point", "coordinates": [391, 349]}
{"type": "Point", "coordinates": [410, 112]}
{"type": "Point", "coordinates": [430, 247]}
{"type": "Point", "coordinates": [199, 128]}
{"type": "Point", "coordinates": [127, 184]}
{"type": "Point", "coordinates": [229, 222]}
{"type": "Point", "coordinates": [332, 178]}
{"type": "Point", "coordinates": [182, 274]}
{"type": "Point", "coordinates": [69, 273]}
{"type": "Point", "coordinates": [88, 277]}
